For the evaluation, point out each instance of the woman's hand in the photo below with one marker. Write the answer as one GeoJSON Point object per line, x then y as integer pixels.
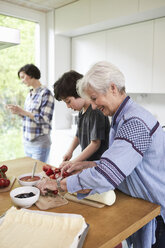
{"type": "Point", "coordinates": [15, 109]}
{"type": "Point", "coordinates": [46, 184]}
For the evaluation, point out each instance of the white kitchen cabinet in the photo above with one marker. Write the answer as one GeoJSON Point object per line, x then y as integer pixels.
{"type": "Point", "coordinates": [72, 16]}
{"type": "Point", "coordinates": [85, 16]}
{"type": "Point", "coordinates": [159, 56]}
{"type": "Point", "coordinates": [150, 4]}
{"type": "Point", "coordinates": [131, 48]}
{"type": "Point", "coordinates": [87, 50]}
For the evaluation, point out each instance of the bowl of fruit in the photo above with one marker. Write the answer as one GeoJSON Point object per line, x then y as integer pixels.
{"type": "Point", "coordinates": [28, 180]}
{"type": "Point", "coordinates": [25, 196]}
{"type": "Point", "coordinates": [4, 181]}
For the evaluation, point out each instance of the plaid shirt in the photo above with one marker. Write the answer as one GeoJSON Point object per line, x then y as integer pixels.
{"type": "Point", "coordinates": [40, 103]}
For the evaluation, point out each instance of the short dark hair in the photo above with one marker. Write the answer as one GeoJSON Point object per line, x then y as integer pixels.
{"type": "Point", "coordinates": [31, 70]}
{"type": "Point", "coordinates": [65, 86]}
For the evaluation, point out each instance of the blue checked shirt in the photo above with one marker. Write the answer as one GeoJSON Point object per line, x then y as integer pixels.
{"type": "Point", "coordinates": [40, 103]}
{"type": "Point", "coordinates": [134, 163]}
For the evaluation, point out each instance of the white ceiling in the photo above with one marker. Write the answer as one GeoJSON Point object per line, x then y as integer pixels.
{"type": "Point", "coordinates": [41, 5]}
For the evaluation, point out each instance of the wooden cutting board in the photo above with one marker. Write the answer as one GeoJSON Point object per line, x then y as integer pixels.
{"type": "Point", "coordinates": [12, 180]}
{"type": "Point", "coordinates": [84, 201]}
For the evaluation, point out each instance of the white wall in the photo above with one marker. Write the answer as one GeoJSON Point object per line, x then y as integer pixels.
{"type": "Point", "coordinates": [155, 103]}
{"type": "Point", "coordinates": [62, 116]}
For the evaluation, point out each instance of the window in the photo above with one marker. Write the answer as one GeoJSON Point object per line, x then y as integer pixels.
{"type": "Point", "coordinates": [12, 90]}
{"type": "Point", "coordinates": [44, 53]}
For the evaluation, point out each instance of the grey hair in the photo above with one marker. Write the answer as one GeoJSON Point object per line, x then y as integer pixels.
{"type": "Point", "coordinates": [100, 77]}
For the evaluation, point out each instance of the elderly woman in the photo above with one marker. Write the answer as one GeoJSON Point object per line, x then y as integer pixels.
{"type": "Point", "coordinates": [135, 160]}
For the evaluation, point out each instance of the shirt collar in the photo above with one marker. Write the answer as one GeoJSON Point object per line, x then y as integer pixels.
{"type": "Point", "coordinates": [34, 91]}
{"type": "Point", "coordinates": [88, 109]}
{"type": "Point", "coordinates": [120, 110]}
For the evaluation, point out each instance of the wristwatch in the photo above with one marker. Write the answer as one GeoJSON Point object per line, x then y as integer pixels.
{"type": "Point", "coordinates": [58, 185]}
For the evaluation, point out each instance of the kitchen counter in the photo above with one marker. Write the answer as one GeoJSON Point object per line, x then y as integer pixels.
{"type": "Point", "coordinates": [108, 226]}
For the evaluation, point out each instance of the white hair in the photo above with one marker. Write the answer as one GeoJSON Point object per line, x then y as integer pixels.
{"type": "Point", "coordinates": [100, 77]}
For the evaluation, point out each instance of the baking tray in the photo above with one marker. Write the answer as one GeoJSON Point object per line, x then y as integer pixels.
{"type": "Point", "coordinates": [81, 237]}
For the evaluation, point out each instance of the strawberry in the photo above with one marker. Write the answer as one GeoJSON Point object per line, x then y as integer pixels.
{"type": "Point", "coordinates": [7, 182]}
{"type": "Point", "coordinates": [2, 182]}
{"type": "Point", "coordinates": [49, 172]}
{"type": "Point", "coordinates": [2, 174]}
{"type": "Point", "coordinates": [4, 168]}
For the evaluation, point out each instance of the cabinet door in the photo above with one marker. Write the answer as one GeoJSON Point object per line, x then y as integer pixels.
{"type": "Point", "coordinates": [87, 50]}
{"type": "Point", "coordinates": [130, 48]}
{"type": "Point", "coordinates": [150, 4]}
{"type": "Point", "coordinates": [159, 57]}
{"type": "Point", "coordinates": [102, 10]}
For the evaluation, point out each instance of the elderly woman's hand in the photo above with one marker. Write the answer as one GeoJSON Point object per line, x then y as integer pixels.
{"type": "Point", "coordinates": [46, 184]}
{"type": "Point", "coordinates": [76, 167]}
{"type": "Point", "coordinates": [69, 167]}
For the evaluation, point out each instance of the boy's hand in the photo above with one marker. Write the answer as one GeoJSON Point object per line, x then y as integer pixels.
{"type": "Point", "coordinates": [67, 156]}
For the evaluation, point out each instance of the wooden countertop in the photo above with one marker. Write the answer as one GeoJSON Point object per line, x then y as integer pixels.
{"type": "Point", "coordinates": [108, 225]}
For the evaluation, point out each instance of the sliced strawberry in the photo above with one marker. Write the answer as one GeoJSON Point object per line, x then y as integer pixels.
{"type": "Point", "coordinates": [55, 192]}
{"type": "Point", "coordinates": [52, 176]}
{"type": "Point", "coordinates": [57, 170]}
{"type": "Point", "coordinates": [46, 167]}
{"type": "Point", "coordinates": [65, 174]}
{"type": "Point", "coordinates": [57, 175]}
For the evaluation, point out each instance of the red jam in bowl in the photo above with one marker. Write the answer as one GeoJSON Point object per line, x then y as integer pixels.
{"type": "Point", "coordinates": [30, 179]}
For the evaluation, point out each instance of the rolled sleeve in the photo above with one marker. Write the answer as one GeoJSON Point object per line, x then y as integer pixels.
{"type": "Point", "coordinates": [73, 184]}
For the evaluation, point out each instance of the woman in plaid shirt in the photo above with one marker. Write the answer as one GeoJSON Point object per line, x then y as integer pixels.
{"type": "Point", "coordinates": [37, 114]}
